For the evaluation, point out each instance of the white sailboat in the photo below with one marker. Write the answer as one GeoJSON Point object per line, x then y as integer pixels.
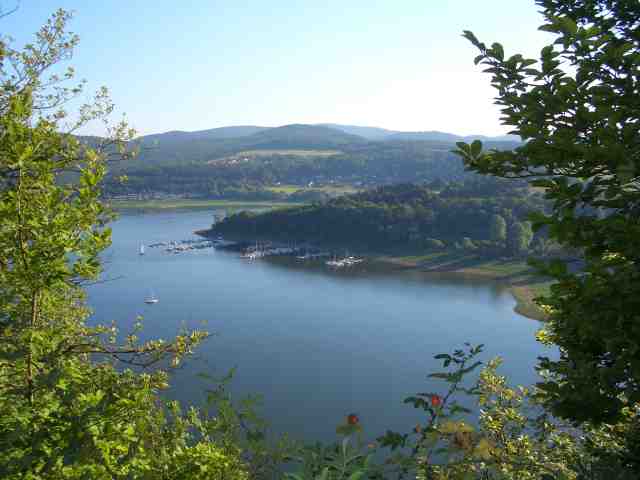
{"type": "Point", "coordinates": [141, 252]}
{"type": "Point", "coordinates": [151, 298]}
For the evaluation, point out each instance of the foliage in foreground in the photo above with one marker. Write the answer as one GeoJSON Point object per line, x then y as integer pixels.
{"type": "Point", "coordinates": [74, 403]}
{"type": "Point", "coordinates": [512, 439]}
{"type": "Point", "coordinates": [71, 403]}
{"type": "Point", "coordinates": [577, 110]}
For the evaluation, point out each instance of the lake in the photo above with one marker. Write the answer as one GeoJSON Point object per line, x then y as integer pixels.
{"type": "Point", "coordinates": [316, 344]}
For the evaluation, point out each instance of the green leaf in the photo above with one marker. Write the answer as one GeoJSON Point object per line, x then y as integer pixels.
{"type": "Point", "coordinates": [476, 148]}
{"type": "Point", "coordinates": [324, 475]}
{"type": "Point", "coordinates": [471, 37]}
{"type": "Point", "coordinates": [441, 356]}
{"type": "Point", "coordinates": [498, 51]}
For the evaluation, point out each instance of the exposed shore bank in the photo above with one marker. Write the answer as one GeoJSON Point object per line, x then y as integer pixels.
{"type": "Point", "coordinates": [520, 279]}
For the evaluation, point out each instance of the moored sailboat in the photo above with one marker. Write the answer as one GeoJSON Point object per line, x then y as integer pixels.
{"type": "Point", "coordinates": [151, 298]}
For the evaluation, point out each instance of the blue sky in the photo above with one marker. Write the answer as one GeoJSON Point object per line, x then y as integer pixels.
{"type": "Point", "coordinates": [398, 64]}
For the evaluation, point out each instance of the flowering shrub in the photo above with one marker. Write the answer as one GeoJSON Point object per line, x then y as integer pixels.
{"type": "Point", "coordinates": [511, 438]}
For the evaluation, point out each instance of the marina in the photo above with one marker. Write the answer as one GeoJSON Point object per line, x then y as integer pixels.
{"type": "Point", "coordinates": [344, 262]}
{"type": "Point", "coordinates": [256, 251]}
{"type": "Point", "coordinates": [180, 246]}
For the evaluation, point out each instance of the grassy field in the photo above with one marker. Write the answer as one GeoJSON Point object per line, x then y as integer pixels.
{"type": "Point", "coordinates": [178, 204]}
{"type": "Point", "coordinates": [247, 154]}
{"type": "Point", "coordinates": [338, 189]}
{"type": "Point", "coordinates": [330, 189]}
{"type": "Point", "coordinates": [297, 153]}
{"type": "Point", "coordinates": [288, 189]}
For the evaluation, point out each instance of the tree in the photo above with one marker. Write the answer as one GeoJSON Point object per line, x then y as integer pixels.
{"type": "Point", "coordinates": [519, 238]}
{"type": "Point", "coordinates": [467, 244]}
{"type": "Point", "coordinates": [71, 405]}
{"type": "Point", "coordinates": [577, 111]}
{"type": "Point", "coordinates": [497, 229]}
{"type": "Point", "coordinates": [434, 243]}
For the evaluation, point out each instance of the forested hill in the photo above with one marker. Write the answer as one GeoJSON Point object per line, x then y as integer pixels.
{"type": "Point", "coordinates": [254, 170]}
{"type": "Point", "coordinates": [484, 214]}
{"type": "Point", "coordinates": [207, 145]}
{"type": "Point", "coordinates": [179, 147]}
{"type": "Point", "coordinates": [214, 165]}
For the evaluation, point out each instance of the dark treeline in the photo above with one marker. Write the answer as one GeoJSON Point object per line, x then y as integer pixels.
{"type": "Point", "coordinates": [482, 214]}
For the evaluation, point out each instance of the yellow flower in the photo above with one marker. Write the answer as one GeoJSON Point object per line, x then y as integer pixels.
{"type": "Point", "coordinates": [451, 427]}
{"type": "Point", "coordinates": [483, 449]}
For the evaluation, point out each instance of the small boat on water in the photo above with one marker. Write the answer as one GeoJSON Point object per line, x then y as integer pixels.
{"type": "Point", "coordinates": [151, 299]}
{"type": "Point", "coordinates": [141, 251]}
{"type": "Point", "coordinates": [335, 263]}
{"type": "Point", "coordinates": [344, 262]}
{"type": "Point", "coordinates": [253, 253]}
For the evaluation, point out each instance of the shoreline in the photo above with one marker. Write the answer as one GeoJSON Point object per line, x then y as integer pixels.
{"type": "Point", "coordinates": [524, 285]}
{"type": "Point", "coordinates": [514, 274]}
{"type": "Point", "coordinates": [195, 204]}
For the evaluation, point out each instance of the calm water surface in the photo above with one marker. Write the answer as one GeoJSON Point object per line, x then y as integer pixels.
{"type": "Point", "coordinates": [316, 344]}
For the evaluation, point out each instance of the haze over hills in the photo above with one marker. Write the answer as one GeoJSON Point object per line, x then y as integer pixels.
{"type": "Point", "coordinates": [376, 133]}
{"type": "Point", "coordinates": [217, 133]}
{"type": "Point", "coordinates": [370, 133]}
{"type": "Point", "coordinates": [290, 131]}
{"type": "Point", "coordinates": [449, 137]}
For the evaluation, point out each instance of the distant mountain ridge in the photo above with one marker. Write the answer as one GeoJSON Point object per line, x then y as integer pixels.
{"type": "Point", "coordinates": [301, 135]}
{"type": "Point", "coordinates": [365, 132]}
{"type": "Point", "coordinates": [370, 133]}
{"type": "Point", "coordinates": [221, 133]}
{"type": "Point", "coordinates": [375, 133]}
{"type": "Point", "coordinates": [449, 137]}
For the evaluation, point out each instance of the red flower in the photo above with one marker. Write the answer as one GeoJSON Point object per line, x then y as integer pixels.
{"type": "Point", "coordinates": [352, 419]}
{"type": "Point", "coordinates": [436, 401]}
